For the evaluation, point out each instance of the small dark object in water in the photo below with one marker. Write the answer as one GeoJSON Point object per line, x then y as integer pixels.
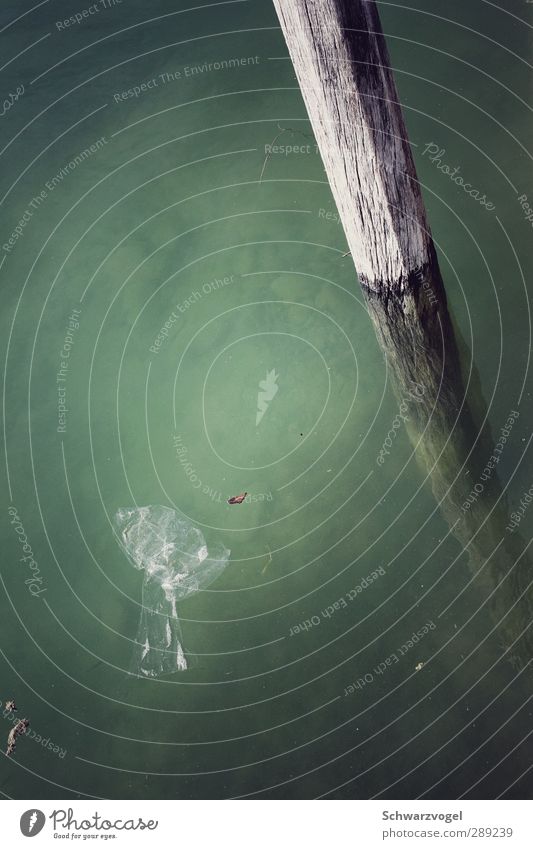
{"type": "Point", "coordinates": [301, 434]}
{"type": "Point", "coordinates": [237, 499]}
{"type": "Point", "coordinates": [19, 728]}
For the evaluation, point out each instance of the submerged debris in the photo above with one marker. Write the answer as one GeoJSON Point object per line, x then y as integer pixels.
{"type": "Point", "coordinates": [268, 559]}
{"type": "Point", "coordinates": [19, 728]}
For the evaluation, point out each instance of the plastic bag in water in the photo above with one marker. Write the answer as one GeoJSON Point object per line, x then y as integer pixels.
{"type": "Point", "coordinates": [176, 563]}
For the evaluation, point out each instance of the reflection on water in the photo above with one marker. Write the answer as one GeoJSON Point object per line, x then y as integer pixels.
{"type": "Point", "coordinates": [460, 458]}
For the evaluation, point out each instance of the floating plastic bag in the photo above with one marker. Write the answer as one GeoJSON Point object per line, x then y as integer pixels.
{"type": "Point", "coordinates": [177, 564]}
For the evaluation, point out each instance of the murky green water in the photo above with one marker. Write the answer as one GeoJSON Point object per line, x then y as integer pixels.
{"type": "Point", "coordinates": [154, 281]}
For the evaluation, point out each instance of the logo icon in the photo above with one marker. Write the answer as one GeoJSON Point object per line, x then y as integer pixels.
{"type": "Point", "coordinates": [32, 822]}
{"type": "Point", "coordinates": [267, 390]}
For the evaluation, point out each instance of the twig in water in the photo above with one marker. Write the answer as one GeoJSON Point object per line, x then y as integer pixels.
{"type": "Point", "coordinates": [268, 561]}
{"type": "Point", "coordinates": [274, 140]}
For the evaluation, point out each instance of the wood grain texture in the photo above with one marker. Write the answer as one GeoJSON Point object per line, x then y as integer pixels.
{"type": "Point", "coordinates": [343, 68]}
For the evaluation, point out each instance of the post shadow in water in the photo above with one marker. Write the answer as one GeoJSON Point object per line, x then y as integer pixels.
{"type": "Point", "coordinates": [342, 64]}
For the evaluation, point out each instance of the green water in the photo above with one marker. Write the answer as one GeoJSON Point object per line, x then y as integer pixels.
{"type": "Point", "coordinates": [164, 237]}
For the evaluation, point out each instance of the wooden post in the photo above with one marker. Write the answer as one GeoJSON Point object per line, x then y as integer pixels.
{"type": "Point", "coordinates": [342, 64]}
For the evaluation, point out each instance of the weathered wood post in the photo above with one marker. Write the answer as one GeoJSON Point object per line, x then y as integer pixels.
{"type": "Point", "coordinates": [342, 64]}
